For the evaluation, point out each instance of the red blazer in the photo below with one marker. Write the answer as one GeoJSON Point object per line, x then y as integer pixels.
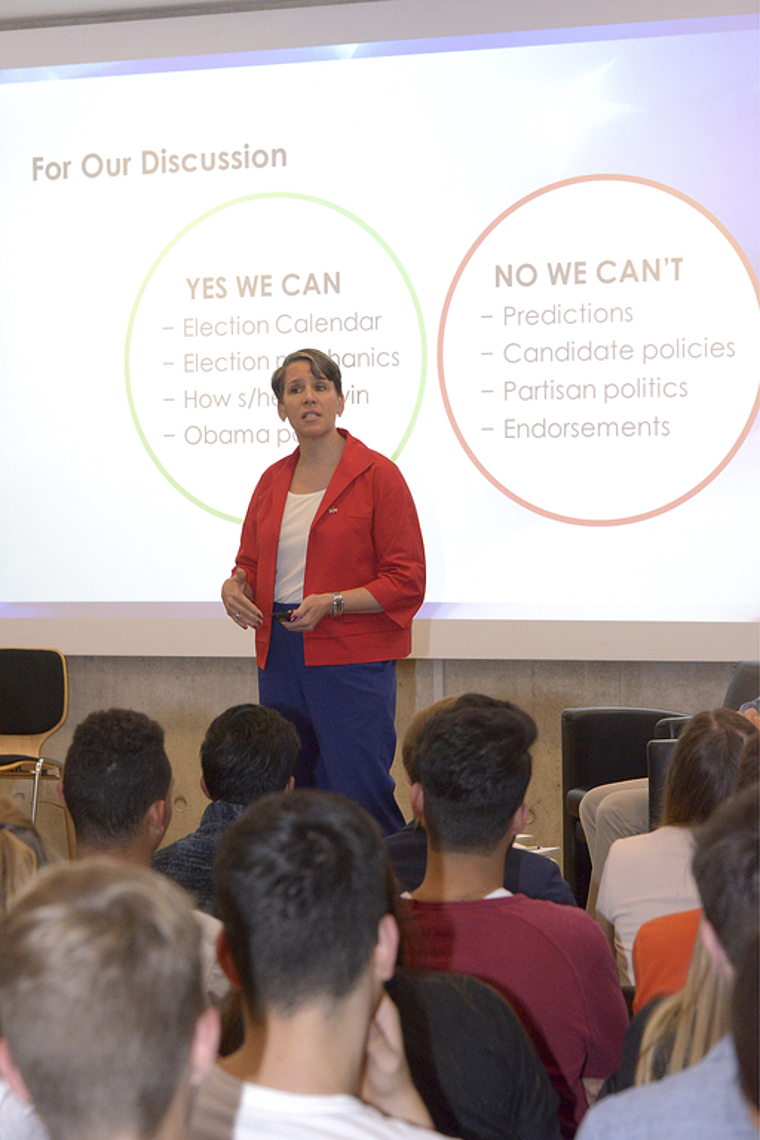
{"type": "Point", "coordinates": [365, 533]}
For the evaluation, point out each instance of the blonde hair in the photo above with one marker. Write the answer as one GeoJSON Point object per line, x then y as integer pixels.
{"type": "Point", "coordinates": [685, 1026]}
{"type": "Point", "coordinates": [106, 959]}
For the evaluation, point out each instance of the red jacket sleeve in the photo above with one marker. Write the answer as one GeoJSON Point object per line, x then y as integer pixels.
{"type": "Point", "coordinates": [399, 582]}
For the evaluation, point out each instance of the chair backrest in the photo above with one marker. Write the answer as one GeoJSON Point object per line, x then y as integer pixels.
{"type": "Point", "coordinates": [604, 745]}
{"type": "Point", "coordinates": [744, 684]}
{"type": "Point", "coordinates": [670, 727]}
{"type": "Point", "coordinates": [34, 698]}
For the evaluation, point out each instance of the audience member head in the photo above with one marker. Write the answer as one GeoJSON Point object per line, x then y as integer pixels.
{"type": "Point", "coordinates": [322, 367]}
{"type": "Point", "coordinates": [686, 1025]}
{"type": "Point", "coordinates": [21, 851]}
{"type": "Point", "coordinates": [420, 719]}
{"type": "Point", "coordinates": [305, 892]}
{"type": "Point", "coordinates": [474, 765]}
{"type": "Point", "coordinates": [409, 743]}
{"type": "Point", "coordinates": [101, 1001]}
{"type": "Point", "coordinates": [746, 1004]}
{"type": "Point", "coordinates": [726, 868]}
{"type": "Point", "coordinates": [705, 766]}
{"type": "Point", "coordinates": [116, 770]}
{"type": "Point", "coordinates": [248, 751]}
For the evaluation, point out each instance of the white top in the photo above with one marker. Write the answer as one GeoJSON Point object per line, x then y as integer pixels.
{"type": "Point", "coordinates": [229, 1109]}
{"type": "Point", "coordinates": [18, 1121]}
{"type": "Point", "coordinates": [646, 876]}
{"type": "Point", "coordinates": [499, 893]}
{"type": "Point", "coordinates": [291, 550]}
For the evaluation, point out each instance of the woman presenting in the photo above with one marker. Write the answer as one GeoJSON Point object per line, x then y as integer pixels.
{"type": "Point", "coordinates": [330, 573]}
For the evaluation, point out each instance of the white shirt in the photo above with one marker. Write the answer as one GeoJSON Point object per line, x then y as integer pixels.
{"type": "Point", "coordinates": [291, 549]}
{"type": "Point", "coordinates": [646, 876]}
{"type": "Point", "coordinates": [499, 893]}
{"type": "Point", "coordinates": [18, 1121]}
{"type": "Point", "coordinates": [229, 1109]}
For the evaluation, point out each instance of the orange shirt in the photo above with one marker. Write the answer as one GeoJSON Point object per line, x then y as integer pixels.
{"type": "Point", "coordinates": [662, 955]}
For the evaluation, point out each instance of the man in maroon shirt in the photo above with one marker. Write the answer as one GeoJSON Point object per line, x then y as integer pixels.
{"type": "Point", "coordinates": [550, 961]}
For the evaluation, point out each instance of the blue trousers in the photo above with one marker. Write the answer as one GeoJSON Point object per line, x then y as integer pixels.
{"type": "Point", "coordinates": [345, 716]}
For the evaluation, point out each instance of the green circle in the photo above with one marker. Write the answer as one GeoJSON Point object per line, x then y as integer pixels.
{"type": "Point", "coordinates": [192, 225]}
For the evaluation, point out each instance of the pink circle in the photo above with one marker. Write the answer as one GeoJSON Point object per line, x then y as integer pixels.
{"type": "Point", "coordinates": [442, 330]}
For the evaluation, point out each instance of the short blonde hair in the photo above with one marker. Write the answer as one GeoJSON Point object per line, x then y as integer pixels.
{"type": "Point", "coordinates": [100, 992]}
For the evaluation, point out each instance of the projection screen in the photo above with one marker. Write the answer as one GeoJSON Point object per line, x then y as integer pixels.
{"type": "Point", "coordinates": [532, 247]}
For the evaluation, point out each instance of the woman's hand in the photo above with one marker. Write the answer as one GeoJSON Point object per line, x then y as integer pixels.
{"type": "Point", "coordinates": [238, 601]}
{"type": "Point", "coordinates": [310, 613]}
{"type": "Point", "coordinates": [316, 606]}
{"type": "Point", "coordinates": [753, 716]}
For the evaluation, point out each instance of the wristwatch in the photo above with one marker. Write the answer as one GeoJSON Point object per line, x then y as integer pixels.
{"type": "Point", "coordinates": [337, 609]}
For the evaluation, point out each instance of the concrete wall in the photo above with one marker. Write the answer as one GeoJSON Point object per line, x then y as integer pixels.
{"type": "Point", "coordinates": [184, 694]}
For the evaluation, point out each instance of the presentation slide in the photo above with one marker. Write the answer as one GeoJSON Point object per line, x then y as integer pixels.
{"type": "Point", "coordinates": [534, 254]}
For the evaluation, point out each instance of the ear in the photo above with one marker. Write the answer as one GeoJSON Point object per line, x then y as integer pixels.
{"type": "Point", "coordinates": [720, 961]}
{"type": "Point", "coordinates": [205, 1045]}
{"type": "Point", "coordinates": [11, 1074]}
{"type": "Point", "coordinates": [59, 790]}
{"type": "Point", "coordinates": [417, 798]}
{"type": "Point", "coordinates": [290, 784]}
{"type": "Point", "coordinates": [520, 819]}
{"type": "Point", "coordinates": [386, 950]}
{"type": "Point", "coordinates": [281, 411]}
{"type": "Point", "coordinates": [341, 404]}
{"type": "Point", "coordinates": [157, 819]}
{"type": "Point", "coordinates": [224, 955]}
{"type": "Point", "coordinates": [205, 790]}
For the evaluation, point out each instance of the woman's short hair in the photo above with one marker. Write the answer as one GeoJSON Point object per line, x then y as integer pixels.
{"type": "Point", "coordinates": [322, 367]}
{"type": "Point", "coordinates": [705, 767]}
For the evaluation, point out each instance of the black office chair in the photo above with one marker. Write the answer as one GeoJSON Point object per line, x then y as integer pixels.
{"type": "Point", "coordinates": [604, 745]}
{"type": "Point", "coordinates": [744, 684]}
{"type": "Point", "coordinates": [599, 746]}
